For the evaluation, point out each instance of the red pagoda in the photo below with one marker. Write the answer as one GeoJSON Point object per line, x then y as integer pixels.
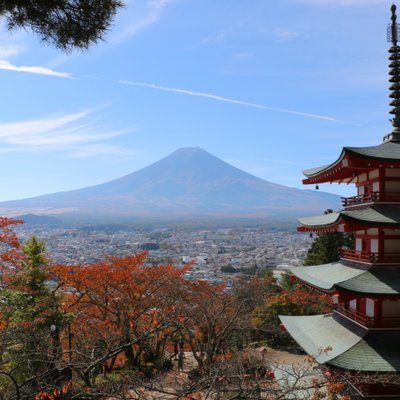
{"type": "Point", "coordinates": [363, 332]}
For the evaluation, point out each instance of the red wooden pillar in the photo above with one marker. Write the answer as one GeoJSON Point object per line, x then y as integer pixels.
{"type": "Point", "coordinates": [382, 188]}
{"type": "Point", "coordinates": [361, 305]}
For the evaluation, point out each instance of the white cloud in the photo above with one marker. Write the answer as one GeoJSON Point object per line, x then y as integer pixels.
{"type": "Point", "coordinates": [33, 70]}
{"type": "Point", "coordinates": [70, 132]}
{"type": "Point", "coordinates": [285, 35]}
{"type": "Point", "coordinates": [9, 51]}
{"type": "Point", "coordinates": [137, 17]}
{"type": "Point", "coordinates": [227, 100]}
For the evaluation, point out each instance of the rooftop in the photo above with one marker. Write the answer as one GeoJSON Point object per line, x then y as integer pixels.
{"type": "Point", "coordinates": [335, 341]}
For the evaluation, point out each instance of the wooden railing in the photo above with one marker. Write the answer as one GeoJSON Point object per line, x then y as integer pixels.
{"type": "Point", "coordinates": [354, 315]}
{"type": "Point", "coordinates": [371, 197]}
{"type": "Point", "coordinates": [368, 322]}
{"type": "Point", "coordinates": [369, 257]}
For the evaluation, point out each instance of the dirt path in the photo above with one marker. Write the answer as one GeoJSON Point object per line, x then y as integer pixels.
{"type": "Point", "coordinates": [167, 383]}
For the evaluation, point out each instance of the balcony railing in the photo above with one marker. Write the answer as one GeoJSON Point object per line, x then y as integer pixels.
{"type": "Point", "coordinates": [368, 322]}
{"type": "Point", "coordinates": [371, 197]}
{"type": "Point", "coordinates": [369, 257]}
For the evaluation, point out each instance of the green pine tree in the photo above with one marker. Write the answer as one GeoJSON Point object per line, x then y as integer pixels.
{"type": "Point", "coordinates": [29, 308]}
{"type": "Point", "coordinates": [326, 246]}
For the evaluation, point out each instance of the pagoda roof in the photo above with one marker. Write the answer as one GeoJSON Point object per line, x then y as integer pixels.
{"type": "Point", "coordinates": [326, 276]}
{"type": "Point", "coordinates": [375, 215]}
{"type": "Point", "coordinates": [355, 157]}
{"type": "Point", "coordinates": [388, 151]}
{"type": "Point", "coordinates": [330, 220]}
{"type": "Point", "coordinates": [336, 341]}
{"type": "Point", "coordinates": [376, 280]}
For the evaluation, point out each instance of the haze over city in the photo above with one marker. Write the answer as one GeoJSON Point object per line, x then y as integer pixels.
{"type": "Point", "coordinates": [270, 87]}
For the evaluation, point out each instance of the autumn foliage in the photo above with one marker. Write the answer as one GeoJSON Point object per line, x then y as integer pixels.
{"type": "Point", "coordinates": [107, 328]}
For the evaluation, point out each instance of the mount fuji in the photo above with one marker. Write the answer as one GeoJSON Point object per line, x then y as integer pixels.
{"type": "Point", "coordinates": [189, 183]}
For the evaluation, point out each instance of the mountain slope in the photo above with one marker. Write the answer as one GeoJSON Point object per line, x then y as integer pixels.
{"type": "Point", "coordinates": [189, 181]}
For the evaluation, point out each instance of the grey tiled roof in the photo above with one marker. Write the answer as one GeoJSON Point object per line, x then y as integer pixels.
{"type": "Point", "coordinates": [316, 170]}
{"type": "Point", "coordinates": [388, 151]}
{"type": "Point", "coordinates": [321, 220]}
{"type": "Point", "coordinates": [385, 151]}
{"type": "Point", "coordinates": [326, 276]}
{"type": "Point", "coordinates": [352, 347]}
{"type": "Point", "coordinates": [382, 214]}
{"type": "Point", "coordinates": [361, 279]}
{"type": "Point", "coordinates": [377, 280]}
{"type": "Point", "coordinates": [378, 214]}
{"type": "Point", "coordinates": [319, 332]}
{"type": "Point", "coordinates": [377, 351]}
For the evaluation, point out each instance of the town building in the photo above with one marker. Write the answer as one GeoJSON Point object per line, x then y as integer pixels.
{"type": "Point", "coordinates": [360, 339]}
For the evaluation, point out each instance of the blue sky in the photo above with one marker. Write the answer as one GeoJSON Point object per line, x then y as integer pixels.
{"type": "Point", "coordinates": [272, 87]}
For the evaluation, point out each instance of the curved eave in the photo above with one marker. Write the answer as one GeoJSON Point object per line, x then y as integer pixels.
{"type": "Point", "coordinates": [326, 276]}
{"type": "Point", "coordinates": [388, 152]}
{"type": "Point", "coordinates": [376, 352]}
{"type": "Point", "coordinates": [353, 158]}
{"type": "Point", "coordinates": [319, 332]}
{"type": "Point", "coordinates": [326, 222]}
{"type": "Point", "coordinates": [347, 221]}
{"type": "Point", "coordinates": [377, 281]}
{"type": "Point", "coordinates": [324, 173]}
{"type": "Point", "coordinates": [335, 341]}
{"type": "Point", "coordinates": [379, 215]}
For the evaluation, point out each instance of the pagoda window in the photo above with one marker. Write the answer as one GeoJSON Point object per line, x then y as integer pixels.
{"type": "Point", "coordinates": [370, 308]}
{"type": "Point", "coordinates": [353, 304]}
{"type": "Point", "coordinates": [358, 244]}
{"type": "Point", "coordinates": [362, 178]}
{"type": "Point", "coordinates": [374, 246]}
{"type": "Point", "coordinates": [374, 174]}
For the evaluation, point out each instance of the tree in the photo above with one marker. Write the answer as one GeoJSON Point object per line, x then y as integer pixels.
{"type": "Point", "coordinates": [326, 246]}
{"type": "Point", "coordinates": [208, 317]}
{"type": "Point", "coordinates": [30, 350]}
{"type": "Point", "coordinates": [122, 311]}
{"type": "Point", "coordinates": [296, 301]}
{"type": "Point", "coordinates": [65, 23]}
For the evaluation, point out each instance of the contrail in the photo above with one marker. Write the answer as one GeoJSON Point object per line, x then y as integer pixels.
{"type": "Point", "coordinates": [226, 100]}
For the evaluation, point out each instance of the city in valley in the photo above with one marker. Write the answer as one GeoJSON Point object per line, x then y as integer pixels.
{"type": "Point", "coordinates": [218, 254]}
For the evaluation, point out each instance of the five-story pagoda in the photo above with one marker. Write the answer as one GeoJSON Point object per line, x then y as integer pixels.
{"type": "Point", "coordinates": [363, 332]}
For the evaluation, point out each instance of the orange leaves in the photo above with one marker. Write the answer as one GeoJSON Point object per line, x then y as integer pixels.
{"type": "Point", "coordinates": [9, 256]}
{"type": "Point", "coordinates": [193, 396]}
{"type": "Point", "coordinates": [7, 235]}
{"type": "Point", "coordinates": [299, 301]}
{"type": "Point", "coordinates": [56, 394]}
{"type": "Point", "coordinates": [120, 300]}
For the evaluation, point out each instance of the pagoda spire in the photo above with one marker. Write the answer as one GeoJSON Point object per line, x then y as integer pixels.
{"type": "Point", "coordinates": [394, 72]}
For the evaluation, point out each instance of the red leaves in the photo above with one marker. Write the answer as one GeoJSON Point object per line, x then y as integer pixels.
{"type": "Point", "coordinates": [9, 257]}
{"type": "Point", "coordinates": [120, 299]}
{"type": "Point", "coordinates": [57, 393]}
